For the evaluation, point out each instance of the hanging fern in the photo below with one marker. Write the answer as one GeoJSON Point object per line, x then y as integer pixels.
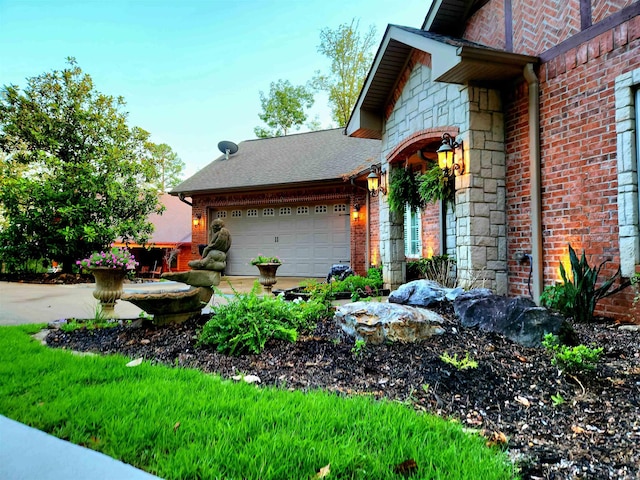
{"type": "Point", "coordinates": [403, 190]}
{"type": "Point", "coordinates": [434, 185]}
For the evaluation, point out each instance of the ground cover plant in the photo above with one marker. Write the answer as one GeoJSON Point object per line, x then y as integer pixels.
{"type": "Point", "coordinates": [181, 423]}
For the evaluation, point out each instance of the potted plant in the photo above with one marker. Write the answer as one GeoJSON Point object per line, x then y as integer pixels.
{"type": "Point", "coordinates": [267, 267]}
{"type": "Point", "coordinates": [109, 269]}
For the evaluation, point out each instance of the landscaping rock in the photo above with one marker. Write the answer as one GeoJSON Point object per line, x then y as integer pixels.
{"type": "Point", "coordinates": [519, 318]}
{"type": "Point", "coordinates": [423, 293]}
{"type": "Point", "coordinates": [377, 322]}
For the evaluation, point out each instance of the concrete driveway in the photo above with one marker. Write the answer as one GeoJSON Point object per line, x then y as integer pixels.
{"type": "Point", "coordinates": [22, 303]}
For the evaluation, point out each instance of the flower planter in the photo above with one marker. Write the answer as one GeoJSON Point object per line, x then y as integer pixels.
{"type": "Point", "coordinates": [267, 275]}
{"type": "Point", "coordinates": [109, 282]}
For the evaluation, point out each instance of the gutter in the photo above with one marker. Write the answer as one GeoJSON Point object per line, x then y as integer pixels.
{"type": "Point", "coordinates": [536, 184]}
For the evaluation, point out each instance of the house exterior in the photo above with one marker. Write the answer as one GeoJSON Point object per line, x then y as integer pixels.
{"type": "Point", "coordinates": [170, 241]}
{"type": "Point", "coordinates": [545, 101]}
{"type": "Point", "coordinates": [300, 197]}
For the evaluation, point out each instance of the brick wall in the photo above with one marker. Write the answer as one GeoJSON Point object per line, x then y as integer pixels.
{"type": "Point", "coordinates": [486, 26]}
{"type": "Point", "coordinates": [579, 161]}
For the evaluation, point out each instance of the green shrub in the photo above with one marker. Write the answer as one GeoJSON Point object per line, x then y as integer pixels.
{"type": "Point", "coordinates": [578, 359]}
{"type": "Point", "coordinates": [248, 321]}
{"type": "Point", "coordinates": [579, 295]}
{"type": "Point", "coordinates": [439, 268]}
{"type": "Point", "coordinates": [359, 287]}
{"type": "Point", "coordinates": [555, 297]}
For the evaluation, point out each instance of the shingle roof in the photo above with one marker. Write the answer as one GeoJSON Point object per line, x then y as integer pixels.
{"type": "Point", "coordinates": [305, 157]}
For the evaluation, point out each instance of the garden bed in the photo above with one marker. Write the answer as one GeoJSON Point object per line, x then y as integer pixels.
{"type": "Point", "coordinates": [590, 430]}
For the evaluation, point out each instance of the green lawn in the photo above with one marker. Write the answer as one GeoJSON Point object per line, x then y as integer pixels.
{"type": "Point", "coordinates": [183, 424]}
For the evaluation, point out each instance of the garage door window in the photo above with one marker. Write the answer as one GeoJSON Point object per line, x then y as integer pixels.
{"type": "Point", "coordinates": [268, 212]}
{"type": "Point", "coordinates": [236, 214]}
{"type": "Point", "coordinates": [339, 208]}
{"type": "Point", "coordinates": [221, 214]}
{"type": "Point", "coordinates": [285, 210]}
{"type": "Point", "coordinates": [252, 212]}
{"type": "Point", "coordinates": [321, 209]}
{"type": "Point", "coordinates": [303, 211]}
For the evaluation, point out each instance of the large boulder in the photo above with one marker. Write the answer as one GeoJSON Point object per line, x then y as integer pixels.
{"type": "Point", "coordinates": [517, 318]}
{"type": "Point", "coordinates": [377, 322]}
{"type": "Point", "coordinates": [423, 293]}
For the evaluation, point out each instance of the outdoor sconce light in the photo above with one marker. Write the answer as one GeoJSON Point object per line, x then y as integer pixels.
{"type": "Point", "coordinates": [356, 212]}
{"type": "Point", "coordinates": [447, 156]}
{"type": "Point", "coordinates": [374, 180]}
{"type": "Point", "coordinates": [196, 220]}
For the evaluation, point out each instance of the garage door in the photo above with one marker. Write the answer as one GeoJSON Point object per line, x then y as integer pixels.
{"type": "Point", "coordinates": [307, 238]}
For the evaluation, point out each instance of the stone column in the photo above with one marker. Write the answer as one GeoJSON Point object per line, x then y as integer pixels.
{"type": "Point", "coordinates": [391, 242]}
{"type": "Point", "coordinates": [481, 195]}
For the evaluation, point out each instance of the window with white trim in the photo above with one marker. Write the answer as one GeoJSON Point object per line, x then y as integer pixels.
{"type": "Point", "coordinates": [252, 212]}
{"type": "Point", "coordinates": [412, 233]}
{"type": "Point", "coordinates": [236, 213]}
{"type": "Point", "coordinates": [268, 212]}
{"type": "Point", "coordinates": [321, 209]}
{"type": "Point", "coordinates": [627, 115]}
{"type": "Point", "coordinates": [302, 210]}
{"type": "Point", "coordinates": [221, 214]}
{"type": "Point", "coordinates": [285, 210]}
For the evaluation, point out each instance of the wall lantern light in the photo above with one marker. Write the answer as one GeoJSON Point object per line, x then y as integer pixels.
{"type": "Point", "coordinates": [447, 156]}
{"type": "Point", "coordinates": [356, 212]}
{"type": "Point", "coordinates": [374, 181]}
{"type": "Point", "coordinates": [196, 220]}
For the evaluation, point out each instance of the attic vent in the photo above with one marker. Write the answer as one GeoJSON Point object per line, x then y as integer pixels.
{"type": "Point", "coordinates": [228, 148]}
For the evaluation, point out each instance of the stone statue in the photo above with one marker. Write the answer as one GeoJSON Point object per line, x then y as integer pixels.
{"type": "Point", "coordinates": [214, 256]}
{"type": "Point", "coordinates": [206, 271]}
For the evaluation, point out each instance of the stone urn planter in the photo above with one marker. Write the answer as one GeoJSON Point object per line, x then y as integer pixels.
{"type": "Point", "coordinates": [267, 275]}
{"type": "Point", "coordinates": [109, 287]}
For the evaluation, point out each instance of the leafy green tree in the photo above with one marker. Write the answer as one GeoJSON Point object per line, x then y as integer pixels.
{"type": "Point", "coordinates": [75, 176]}
{"type": "Point", "coordinates": [283, 109]}
{"type": "Point", "coordinates": [350, 54]}
{"type": "Point", "coordinates": [168, 164]}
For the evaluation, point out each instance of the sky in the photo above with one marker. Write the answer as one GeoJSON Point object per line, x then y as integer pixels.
{"type": "Point", "coordinates": [190, 71]}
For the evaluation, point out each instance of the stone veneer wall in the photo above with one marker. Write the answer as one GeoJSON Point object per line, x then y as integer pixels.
{"type": "Point", "coordinates": [479, 228]}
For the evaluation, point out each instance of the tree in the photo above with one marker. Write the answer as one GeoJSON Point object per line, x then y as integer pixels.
{"type": "Point", "coordinates": [168, 165]}
{"type": "Point", "coordinates": [283, 109]}
{"type": "Point", "coordinates": [74, 178]}
{"type": "Point", "coordinates": [351, 56]}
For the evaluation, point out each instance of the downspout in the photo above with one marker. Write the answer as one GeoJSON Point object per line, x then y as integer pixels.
{"type": "Point", "coordinates": [536, 184]}
{"type": "Point", "coordinates": [181, 197]}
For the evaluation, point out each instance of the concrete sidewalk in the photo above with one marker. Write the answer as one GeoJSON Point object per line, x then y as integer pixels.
{"type": "Point", "coordinates": [29, 454]}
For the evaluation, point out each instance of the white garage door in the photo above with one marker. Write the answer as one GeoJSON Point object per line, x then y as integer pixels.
{"type": "Point", "coordinates": [307, 238]}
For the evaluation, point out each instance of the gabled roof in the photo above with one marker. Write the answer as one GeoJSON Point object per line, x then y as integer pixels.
{"type": "Point", "coordinates": [450, 16]}
{"type": "Point", "coordinates": [174, 225]}
{"type": "Point", "coordinates": [170, 228]}
{"type": "Point", "coordinates": [453, 60]}
{"type": "Point", "coordinates": [320, 156]}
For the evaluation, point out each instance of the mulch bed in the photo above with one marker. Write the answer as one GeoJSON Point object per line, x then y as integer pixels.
{"type": "Point", "coordinates": [595, 434]}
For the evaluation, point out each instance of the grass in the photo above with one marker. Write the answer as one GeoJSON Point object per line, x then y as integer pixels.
{"type": "Point", "coordinates": [184, 424]}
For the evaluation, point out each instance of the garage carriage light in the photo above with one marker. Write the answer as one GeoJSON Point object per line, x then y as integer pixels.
{"type": "Point", "coordinates": [196, 220]}
{"type": "Point", "coordinates": [374, 181]}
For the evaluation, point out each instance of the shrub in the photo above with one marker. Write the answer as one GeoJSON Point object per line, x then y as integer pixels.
{"type": "Point", "coordinates": [358, 286]}
{"type": "Point", "coordinates": [571, 359]}
{"type": "Point", "coordinates": [439, 268]}
{"type": "Point", "coordinates": [555, 297]}
{"type": "Point", "coordinates": [579, 295]}
{"type": "Point", "coordinates": [248, 321]}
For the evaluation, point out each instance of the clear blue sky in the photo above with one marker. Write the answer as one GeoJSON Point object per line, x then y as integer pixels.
{"type": "Point", "coordinates": [190, 70]}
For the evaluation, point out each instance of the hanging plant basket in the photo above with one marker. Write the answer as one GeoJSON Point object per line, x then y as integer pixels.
{"type": "Point", "coordinates": [404, 190]}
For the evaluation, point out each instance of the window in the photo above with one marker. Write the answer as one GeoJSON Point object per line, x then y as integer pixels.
{"type": "Point", "coordinates": [252, 212]}
{"type": "Point", "coordinates": [268, 212]}
{"type": "Point", "coordinates": [627, 93]}
{"type": "Point", "coordinates": [302, 211]}
{"type": "Point", "coordinates": [321, 209]}
{"type": "Point", "coordinates": [285, 210]}
{"type": "Point", "coordinates": [236, 213]}
{"type": "Point", "coordinates": [221, 214]}
{"type": "Point", "coordinates": [412, 233]}
{"type": "Point", "coordinates": [339, 208]}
